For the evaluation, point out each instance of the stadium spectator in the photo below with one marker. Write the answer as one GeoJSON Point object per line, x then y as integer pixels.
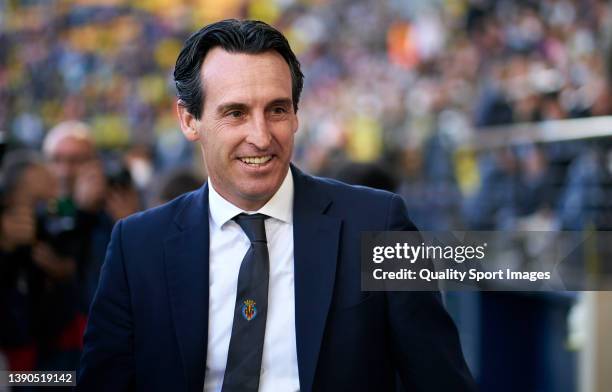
{"type": "Point", "coordinates": [38, 262]}
{"type": "Point", "coordinates": [94, 191]}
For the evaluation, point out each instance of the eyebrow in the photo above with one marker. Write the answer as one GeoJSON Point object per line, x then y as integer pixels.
{"type": "Point", "coordinates": [229, 106]}
{"type": "Point", "coordinates": [226, 107]}
{"type": "Point", "coordinates": [280, 102]}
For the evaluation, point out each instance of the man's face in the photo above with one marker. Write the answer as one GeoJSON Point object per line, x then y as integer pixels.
{"type": "Point", "coordinates": [247, 126]}
{"type": "Point", "coordinates": [39, 184]}
{"type": "Point", "coordinates": [67, 158]}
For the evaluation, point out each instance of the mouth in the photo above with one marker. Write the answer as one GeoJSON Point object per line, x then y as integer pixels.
{"type": "Point", "coordinates": [256, 161]}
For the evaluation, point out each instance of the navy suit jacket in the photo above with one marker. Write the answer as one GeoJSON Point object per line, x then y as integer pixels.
{"type": "Point", "coordinates": [148, 323]}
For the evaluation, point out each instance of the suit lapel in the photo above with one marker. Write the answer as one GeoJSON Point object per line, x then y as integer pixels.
{"type": "Point", "coordinates": [315, 239]}
{"type": "Point", "coordinates": [186, 260]}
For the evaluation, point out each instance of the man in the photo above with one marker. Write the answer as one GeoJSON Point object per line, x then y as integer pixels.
{"type": "Point", "coordinates": [72, 156]}
{"type": "Point", "coordinates": [36, 269]}
{"type": "Point", "coordinates": [88, 196]}
{"type": "Point", "coordinates": [189, 298]}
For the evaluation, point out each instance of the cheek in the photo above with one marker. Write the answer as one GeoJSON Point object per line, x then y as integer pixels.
{"type": "Point", "coordinates": [217, 148]}
{"type": "Point", "coordinates": [285, 140]}
{"type": "Point", "coordinates": [285, 134]}
{"type": "Point", "coordinates": [59, 168]}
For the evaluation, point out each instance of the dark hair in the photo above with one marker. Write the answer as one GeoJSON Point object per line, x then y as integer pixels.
{"type": "Point", "coordinates": [176, 182]}
{"type": "Point", "coordinates": [235, 36]}
{"type": "Point", "coordinates": [367, 174]}
{"type": "Point", "coordinates": [13, 167]}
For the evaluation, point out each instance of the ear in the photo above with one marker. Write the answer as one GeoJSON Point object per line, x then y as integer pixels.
{"type": "Point", "coordinates": [296, 122]}
{"type": "Point", "coordinates": [189, 124]}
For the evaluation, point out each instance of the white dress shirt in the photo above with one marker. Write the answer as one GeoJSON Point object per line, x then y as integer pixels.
{"type": "Point", "coordinates": [228, 245]}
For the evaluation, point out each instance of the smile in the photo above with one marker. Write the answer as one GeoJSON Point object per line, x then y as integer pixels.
{"type": "Point", "coordinates": [256, 161]}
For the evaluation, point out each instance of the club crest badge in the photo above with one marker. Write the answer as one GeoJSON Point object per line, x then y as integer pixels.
{"type": "Point", "coordinates": [249, 311]}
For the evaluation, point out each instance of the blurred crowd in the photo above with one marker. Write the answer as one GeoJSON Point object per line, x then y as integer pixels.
{"type": "Point", "coordinates": [57, 210]}
{"type": "Point", "coordinates": [393, 89]}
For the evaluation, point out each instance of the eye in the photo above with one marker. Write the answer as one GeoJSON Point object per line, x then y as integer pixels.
{"type": "Point", "coordinates": [235, 114]}
{"type": "Point", "coordinates": [279, 110]}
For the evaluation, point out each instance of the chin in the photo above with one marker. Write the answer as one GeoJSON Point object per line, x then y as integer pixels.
{"type": "Point", "coordinates": [258, 196]}
{"type": "Point", "coordinates": [259, 193]}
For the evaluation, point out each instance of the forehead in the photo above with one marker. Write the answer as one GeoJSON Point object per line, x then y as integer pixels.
{"type": "Point", "coordinates": [242, 77]}
{"type": "Point", "coordinates": [72, 145]}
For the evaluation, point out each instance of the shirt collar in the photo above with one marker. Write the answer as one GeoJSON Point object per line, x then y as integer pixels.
{"type": "Point", "coordinates": [280, 206]}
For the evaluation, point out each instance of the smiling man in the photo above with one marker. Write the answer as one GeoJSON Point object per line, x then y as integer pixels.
{"type": "Point", "coordinates": [246, 126]}
{"type": "Point", "coordinates": [253, 282]}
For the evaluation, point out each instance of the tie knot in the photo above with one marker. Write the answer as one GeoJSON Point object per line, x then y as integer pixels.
{"type": "Point", "coordinates": [253, 226]}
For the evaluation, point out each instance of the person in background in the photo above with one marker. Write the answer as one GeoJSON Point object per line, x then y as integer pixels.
{"type": "Point", "coordinates": [37, 268]}
{"type": "Point", "coordinates": [93, 193]}
{"type": "Point", "coordinates": [175, 183]}
{"type": "Point", "coordinates": [90, 183]}
{"type": "Point", "coordinates": [368, 174]}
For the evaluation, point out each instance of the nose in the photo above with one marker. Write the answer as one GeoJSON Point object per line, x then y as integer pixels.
{"type": "Point", "coordinates": [259, 134]}
{"type": "Point", "coordinates": [61, 168]}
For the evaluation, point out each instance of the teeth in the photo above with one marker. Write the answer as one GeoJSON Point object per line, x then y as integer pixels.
{"type": "Point", "coordinates": [256, 160]}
